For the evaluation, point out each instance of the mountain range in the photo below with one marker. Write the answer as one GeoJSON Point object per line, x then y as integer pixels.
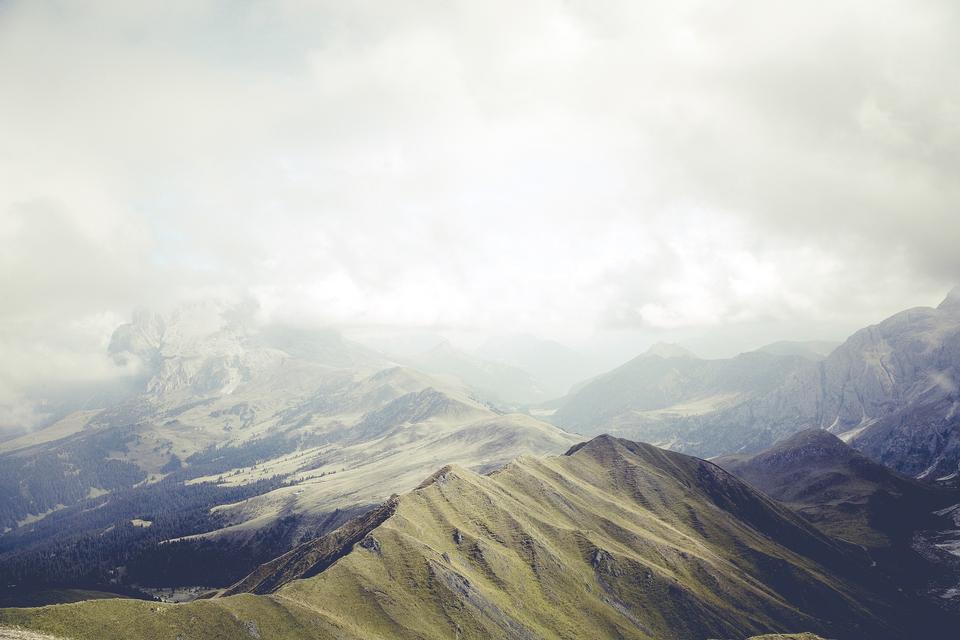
{"type": "Point", "coordinates": [238, 438]}
{"type": "Point", "coordinates": [614, 539]}
{"type": "Point", "coordinates": [890, 390]}
{"type": "Point", "coordinates": [274, 467]}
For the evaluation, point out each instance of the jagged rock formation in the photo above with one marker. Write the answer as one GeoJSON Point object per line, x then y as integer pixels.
{"type": "Point", "coordinates": [211, 347]}
{"type": "Point", "coordinates": [892, 390]}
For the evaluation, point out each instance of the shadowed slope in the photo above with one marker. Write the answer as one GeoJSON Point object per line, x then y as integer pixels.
{"type": "Point", "coordinates": [313, 557]}
{"type": "Point", "coordinates": [842, 491]}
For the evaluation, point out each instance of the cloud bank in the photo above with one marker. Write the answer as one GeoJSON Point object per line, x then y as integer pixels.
{"type": "Point", "coordinates": [595, 172]}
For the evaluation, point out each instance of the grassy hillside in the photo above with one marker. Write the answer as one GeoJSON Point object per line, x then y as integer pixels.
{"type": "Point", "coordinates": [613, 540]}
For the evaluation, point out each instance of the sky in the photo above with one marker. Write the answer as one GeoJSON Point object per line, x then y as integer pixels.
{"type": "Point", "coordinates": [607, 174]}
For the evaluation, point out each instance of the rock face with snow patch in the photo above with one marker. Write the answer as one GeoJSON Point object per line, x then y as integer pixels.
{"type": "Point", "coordinates": [890, 389]}
{"type": "Point", "coordinates": [893, 388]}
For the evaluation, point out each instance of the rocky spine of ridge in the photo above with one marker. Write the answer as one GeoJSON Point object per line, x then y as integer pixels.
{"type": "Point", "coordinates": [311, 558]}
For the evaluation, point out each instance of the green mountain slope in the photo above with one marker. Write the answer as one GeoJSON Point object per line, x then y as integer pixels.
{"type": "Point", "coordinates": [613, 540]}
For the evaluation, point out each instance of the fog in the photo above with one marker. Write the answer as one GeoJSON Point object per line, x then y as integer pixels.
{"type": "Point", "coordinates": [604, 174]}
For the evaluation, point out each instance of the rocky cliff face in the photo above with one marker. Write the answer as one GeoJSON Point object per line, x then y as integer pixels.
{"type": "Point", "coordinates": [891, 390]}
{"type": "Point", "coordinates": [903, 379]}
{"type": "Point", "coordinates": [213, 348]}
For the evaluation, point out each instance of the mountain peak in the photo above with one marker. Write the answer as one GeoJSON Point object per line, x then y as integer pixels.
{"type": "Point", "coordinates": [835, 486]}
{"type": "Point", "coordinates": [602, 440]}
{"type": "Point", "coordinates": [442, 475]}
{"type": "Point", "coordinates": [806, 447]}
{"type": "Point", "coordinates": [813, 436]}
{"type": "Point", "coordinates": [668, 350]}
{"type": "Point", "coordinates": [952, 302]}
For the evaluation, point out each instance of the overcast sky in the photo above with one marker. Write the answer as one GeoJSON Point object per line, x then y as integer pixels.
{"type": "Point", "coordinates": [722, 173]}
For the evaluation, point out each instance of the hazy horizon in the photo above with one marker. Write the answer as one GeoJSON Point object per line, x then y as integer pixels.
{"type": "Point", "coordinates": [720, 175]}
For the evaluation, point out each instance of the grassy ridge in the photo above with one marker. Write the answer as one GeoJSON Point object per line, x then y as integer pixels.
{"type": "Point", "coordinates": [615, 540]}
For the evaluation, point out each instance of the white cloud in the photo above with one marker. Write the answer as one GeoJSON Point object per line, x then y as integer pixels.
{"type": "Point", "coordinates": [725, 170]}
